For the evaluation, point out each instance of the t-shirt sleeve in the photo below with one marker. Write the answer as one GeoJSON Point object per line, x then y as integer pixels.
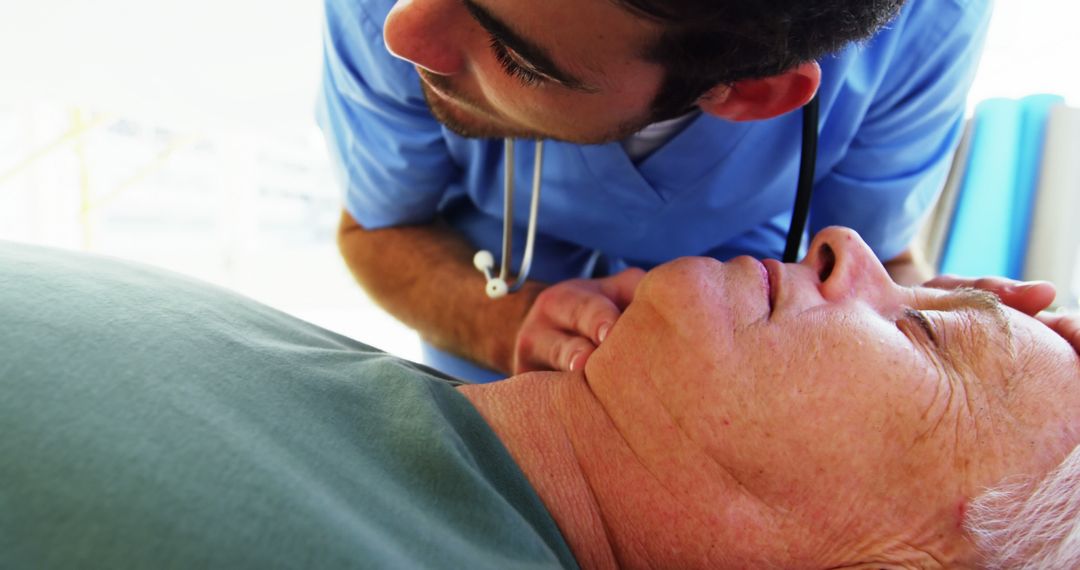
{"type": "Point", "coordinates": [898, 160]}
{"type": "Point", "coordinates": [386, 148]}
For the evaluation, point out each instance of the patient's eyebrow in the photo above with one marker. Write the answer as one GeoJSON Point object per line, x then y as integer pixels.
{"type": "Point", "coordinates": [982, 302]}
{"type": "Point", "coordinates": [531, 52]}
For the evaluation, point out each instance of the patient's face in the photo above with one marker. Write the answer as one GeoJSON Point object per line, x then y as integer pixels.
{"type": "Point", "coordinates": [823, 403]}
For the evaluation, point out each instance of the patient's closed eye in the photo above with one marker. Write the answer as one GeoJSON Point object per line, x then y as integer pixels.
{"type": "Point", "coordinates": [920, 320]}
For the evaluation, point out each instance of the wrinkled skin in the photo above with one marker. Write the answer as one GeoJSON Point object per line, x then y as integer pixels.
{"type": "Point", "coordinates": [789, 411]}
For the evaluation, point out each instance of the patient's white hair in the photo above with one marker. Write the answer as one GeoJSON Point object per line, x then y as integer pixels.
{"type": "Point", "coordinates": [1030, 524]}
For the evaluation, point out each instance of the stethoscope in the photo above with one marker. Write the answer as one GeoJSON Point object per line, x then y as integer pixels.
{"type": "Point", "coordinates": [497, 287]}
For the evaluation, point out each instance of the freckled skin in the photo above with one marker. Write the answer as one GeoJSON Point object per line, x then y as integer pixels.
{"type": "Point", "coordinates": [713, 429]}
{"type": "Point", "coordinates": [826, 410]}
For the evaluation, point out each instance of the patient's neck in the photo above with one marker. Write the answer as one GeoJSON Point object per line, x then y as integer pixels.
{"type": "Point", "coordinates": [541, 417]}
{"type": "Point", "coordinates": [608, 460]}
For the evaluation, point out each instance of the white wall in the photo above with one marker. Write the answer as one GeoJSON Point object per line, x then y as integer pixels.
{"type": "Point", "coordinates": [1032, 47]}
{"type": "Point", "coordinates": [232, 63]}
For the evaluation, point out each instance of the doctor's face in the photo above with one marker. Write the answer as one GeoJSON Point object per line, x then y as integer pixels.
{"type": "Point", "coordinates": [820, 407]}
{"type": "Point", "coordinates": [570, 70]}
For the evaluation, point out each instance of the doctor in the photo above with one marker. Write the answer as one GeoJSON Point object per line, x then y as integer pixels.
{"type": "Point", "coordinates": [670, 130]}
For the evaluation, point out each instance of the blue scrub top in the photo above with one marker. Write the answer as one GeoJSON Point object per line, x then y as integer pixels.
{"type": "Point", "coordinates": [891, 115]}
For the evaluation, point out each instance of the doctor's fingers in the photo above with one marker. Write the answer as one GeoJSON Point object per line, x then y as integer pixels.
{"type": "Point", "coordinates": [579, 306]}
{"type": "Point", "coordinates": [620, 287]}
{"type": "Point", "coordinates": [550, 349]}
{"type": "Point", "coordinates": [1028, 297]}
{"type": "Point", "coordinates": [1066, 325]}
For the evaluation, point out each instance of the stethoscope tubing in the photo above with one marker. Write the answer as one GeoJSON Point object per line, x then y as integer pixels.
{"type": "Point", "coordinates": [508, 215]}
{"type": "Point", "coordinates": [807, 166]}
{"type": "Point", "coordinates": [800, 214]}
{"type": "Point", "coordinates": [500, 286]}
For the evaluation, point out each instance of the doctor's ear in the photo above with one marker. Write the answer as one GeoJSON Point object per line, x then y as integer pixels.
{"type": "Point", "coordinates": [758, 99]}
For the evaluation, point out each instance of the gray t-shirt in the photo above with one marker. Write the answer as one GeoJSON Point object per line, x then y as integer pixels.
{"type": "Point", "coordinates": [149, 420]}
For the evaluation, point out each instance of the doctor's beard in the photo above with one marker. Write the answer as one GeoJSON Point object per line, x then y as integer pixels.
{"type": "Point", "coordinates": [462, 116]}
{"type": "Point", "coordinates": [467, 118]}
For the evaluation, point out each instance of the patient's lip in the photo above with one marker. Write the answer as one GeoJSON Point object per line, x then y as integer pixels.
{"type": "Point", "coordinates": [774, 269]}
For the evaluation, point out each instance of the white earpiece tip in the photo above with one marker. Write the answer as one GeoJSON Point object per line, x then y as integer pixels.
{"type": "Point", "coordinates": [483, 260]}
{"type": "Point", "coordinates": [496, 288]}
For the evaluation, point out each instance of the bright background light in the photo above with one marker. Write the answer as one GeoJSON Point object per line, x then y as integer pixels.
{"type": "Point", "coordinates": [1032, 48]}
{"type": "Point", "coordinates": [180, 133]}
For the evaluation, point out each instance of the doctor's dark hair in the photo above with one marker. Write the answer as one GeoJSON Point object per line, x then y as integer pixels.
{"type": "Point", "coordinates": [719, 42]}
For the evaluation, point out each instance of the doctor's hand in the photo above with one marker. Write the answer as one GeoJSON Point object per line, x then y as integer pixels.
{"type": "Point", "coordinates": [1066, 325]}
{"type": "Point", "coordinates": [570, 319]}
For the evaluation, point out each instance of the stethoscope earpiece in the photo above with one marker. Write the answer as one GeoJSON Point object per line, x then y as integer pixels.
{"type": "Point", "coordinates": [484, 262]}
{"type": "Point", "coordinates": [496, 288]}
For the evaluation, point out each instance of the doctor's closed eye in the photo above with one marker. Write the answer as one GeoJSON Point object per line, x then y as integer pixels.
{"type": "Point", "coordinates": [508, 61]}
{"type": "Point", "coordinates": [519, 57]}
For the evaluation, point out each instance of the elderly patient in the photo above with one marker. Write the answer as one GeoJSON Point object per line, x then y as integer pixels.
{"type": "Point", "coordinates": [739, 415]}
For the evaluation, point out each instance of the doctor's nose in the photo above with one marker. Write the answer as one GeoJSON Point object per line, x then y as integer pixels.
{"type": "Point", "coordinates": [846, 266]}
{"type": "Point", "coordinates": [425, 32]}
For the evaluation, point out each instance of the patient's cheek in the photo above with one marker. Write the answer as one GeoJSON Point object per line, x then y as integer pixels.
{"type": "Point", "coordinates": [618, 352]}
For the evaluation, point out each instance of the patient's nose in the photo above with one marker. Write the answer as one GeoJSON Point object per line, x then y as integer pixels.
{"type": "Point", "coordinates": [423, 32]}
{"type": "Point", "coordinates": [846, 266]}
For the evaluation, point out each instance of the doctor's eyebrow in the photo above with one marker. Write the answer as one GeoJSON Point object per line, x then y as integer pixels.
{"type": "Point", "coordinates": [526, 49]}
